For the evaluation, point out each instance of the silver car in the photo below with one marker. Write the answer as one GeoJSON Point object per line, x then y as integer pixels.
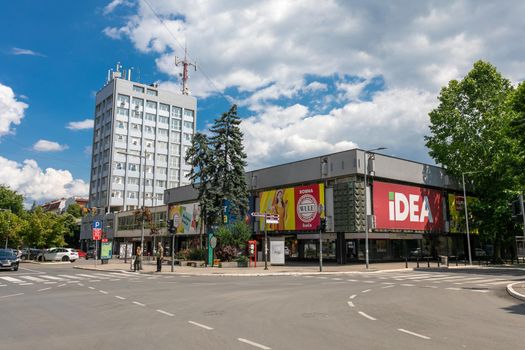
{"type": "Point", "coordinates": [60, 254]}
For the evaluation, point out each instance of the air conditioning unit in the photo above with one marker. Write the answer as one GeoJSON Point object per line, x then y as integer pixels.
{"type": "Point", "coordinates": [122, 104]}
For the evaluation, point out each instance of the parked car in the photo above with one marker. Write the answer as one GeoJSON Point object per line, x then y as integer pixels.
{"type": "Point", "coordinates": [59, 254]}
{"type": "Point", "coordinates": [30, 253]}
{"type": "Point", "coordinates": [9, 260]}
{"type": "Point", "coordinates": [81, 253]}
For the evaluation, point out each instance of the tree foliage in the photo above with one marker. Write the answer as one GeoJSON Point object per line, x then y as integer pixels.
{"type": "Point", "coordinates": [11, 200]}
{"type": "Point", "coordinates": [469, 134]}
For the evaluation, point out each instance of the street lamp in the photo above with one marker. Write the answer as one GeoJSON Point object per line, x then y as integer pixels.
{"type": "Point", "coordinates": [466, 213]}
{"type": "Point", "coordinates": [365, 160]}
{"type": "Point", "coordinates": [141, 156]}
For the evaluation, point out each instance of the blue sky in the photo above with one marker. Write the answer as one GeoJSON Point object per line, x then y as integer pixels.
{"type": "Point", "coordinates": [309, 77]}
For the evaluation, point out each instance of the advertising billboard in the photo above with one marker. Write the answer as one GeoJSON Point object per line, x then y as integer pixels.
{"type": "Point", "coordinates": [404, 207]}
{"type": "Point", "coordinates": [456, 209]}
{"type": "Point", "coordinates": [297, 207]}
{"type": "Point", "coordinates": [186, 218]}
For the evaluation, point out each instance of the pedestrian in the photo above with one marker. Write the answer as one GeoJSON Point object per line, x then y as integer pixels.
{"type": "Point", "coordinates": [160, 255]}
{"type": "Point", "coordinates": [137, 265]}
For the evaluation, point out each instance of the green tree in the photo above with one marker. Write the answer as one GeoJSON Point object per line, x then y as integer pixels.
{"type": "Point", "coordinates": [469, 134]}
{"type": "Point", "coordinates": [228, 180]}
{"type": "Point", "coordinates": [517, 131]}
{"type": "Point", "coordinates": [11, 200]}
{"type": "Point", "coordinates": [75, 210]}
{"type": "Point", "coordinates": [11, 226]}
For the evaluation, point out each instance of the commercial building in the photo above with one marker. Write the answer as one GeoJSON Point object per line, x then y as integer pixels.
{"type": "Point", "coordinates": [410, 207]}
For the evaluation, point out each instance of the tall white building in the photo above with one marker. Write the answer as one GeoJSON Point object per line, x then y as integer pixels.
{"type": "Point", "coordinates": [137, 123]}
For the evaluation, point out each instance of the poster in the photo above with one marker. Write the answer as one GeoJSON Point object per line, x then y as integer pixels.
{"type": "Point", "coordinates": [297, 207]}
{"type": "Point", "coordinates": [186, 218]}
{"type": "Point", "coordinates": [105, 250]}
{"type": "Point", "coordinates": [277, 250]}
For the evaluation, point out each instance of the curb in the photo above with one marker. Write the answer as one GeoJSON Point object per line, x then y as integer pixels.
{"type": "Point", "coordinates": [513, 293]}
{"type": "Point", "coordinates": [46, 263]}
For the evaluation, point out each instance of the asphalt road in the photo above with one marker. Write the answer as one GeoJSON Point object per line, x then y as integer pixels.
{"type": "Point", "coordinates": [58, 307]}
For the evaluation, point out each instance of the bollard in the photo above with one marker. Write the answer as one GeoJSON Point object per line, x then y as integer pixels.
{"type": "Point", "coordinates": [457, 261]}
{"type": "Point", "coordinates": [406, 262]}
{"type": "Point", "coordinates": [428, 262]}
{"type": "Point", "coordinates": [447, 262]}
{"type": "Point", "coordinates": [417, 263]}
{"type": "Point", "coordinates": [438, 261]}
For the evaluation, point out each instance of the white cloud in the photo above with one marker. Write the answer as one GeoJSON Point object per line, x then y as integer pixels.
{"type": "Point", "coordinates": [18, 51]}
{"type": "Point", "coordinates": [109, 8]}
{"type": "Point", "coordinates": [81, 125]}
{"type": "Point", "coordinates": [48, 146]}
{"type": "Point", "coordinates": [11, 110]}
{"type": "Point", "coordinates": [37, 184]}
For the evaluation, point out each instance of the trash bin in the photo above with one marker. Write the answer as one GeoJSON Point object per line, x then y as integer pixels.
{"type": "Point", "coordinates": [444, 259]}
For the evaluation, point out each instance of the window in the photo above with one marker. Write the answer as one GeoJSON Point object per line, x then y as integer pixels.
{"type": "Point", "coordinates": [149, 130]}
{"type": "Point", "coordinates": [160, 183]}
{"type": "Point", "coordinates": [150, 116]}
{"type": "Point", "coordinates": [133, 180]}
{"type": "Point", "coordinates": [162, 132]}
{"type": "Point", "coordinates": [122, 138]}
{"type": "Point", "coordinates": [135, 127]}
{"type": "Point", "coordinates": [164, 120]}
{"type": "Point", "coordinates": [172, 184]}
{"type": "Point", "coordinates": [175, 136]}
{"type": "Point", "coordinates": [187, 137]}
{"type": "Point", "coordinates": [149, 182]}
{"type": "Point", "coordinates": [186, 148]}
{"type": "Point", "coordinates": [149, 169]}
{"type": "Point", "coordinates": [95, 157]}
{"type": "Point", "coordinates": [122, 100]}
{"type": "Point", "coordinates": [161, 145]}
{"type": "Point", "coordinates": [135, 141]}
{"type": "Point", "coordinates": [152, 92]}
{"type": "Point", "coordinates": [137, 103]}
{"type": "Point", "coordinates": [133, 194]}
{"type": "Point", "coordinates": [174, 175]}
{"type": "Point", "coordinates": [174, 162]}
{"type": "Point", "coordinates": [106, 140]}
{"type": "Point", "coordinates": [164, 107]}
{"type": "Point", "coordinates": [116, 194]}
{"type": "Point", "coordinates": [118, 180]}
{"type": "Point", "coordinates": [176, 112]}
{"type": "Point", "coordinates": [188, 125]}
{"type": "Point", "coordinates": [160, 196]}
{"type": "Point", "coordinates": [136, 114]}
{"type": "Point", "coordinates": [149, 195]}
{"type": "Point", "coordinates": [188, 113]}
{"type": "Point", "coordinates": [121, 125]}
{"type": "Point", "coordinates": [122, 111]}
{"type": "Point", "coordinates": [162, 158]}
{"type": "Point", "coordinates": [149, 143]}
{"type": "Point", "coordinates": [162, 170]}
{"type": "Point", "coordinates": [133, 167]}
{"type": "Point", "coordinates": [94, 172]}
{"type": "Point", "coordinates": [149, 156]}
{"type": "Point", "coordinates": [151, 104]}
{"type": "Point", "coordinates": [174, 148]}
{"type": "Point", "coordinates": [138, 88]}
{"type": "Point", "coordinates": [175, 124]}
{"type": "Point", "coordinates": [105, 167]}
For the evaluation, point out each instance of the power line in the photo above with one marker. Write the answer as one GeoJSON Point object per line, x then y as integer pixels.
{"type": "Point", "coordinates": [227, 98]}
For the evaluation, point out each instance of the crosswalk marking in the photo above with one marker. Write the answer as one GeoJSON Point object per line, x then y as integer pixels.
{"type": "Point", "coordinates": [92, 276]}
{"type": "Point", "coordinates": [12, 279]}
{"type": "Point", "coordinates": [73, 277]}
{"type": "Point", "coordinates": [53, 278]}
{"type": "Point", "coordinates": [33, 278]}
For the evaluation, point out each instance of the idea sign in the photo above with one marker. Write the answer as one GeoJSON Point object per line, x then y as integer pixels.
{"type": "Point", "coordinates": [407, 207]}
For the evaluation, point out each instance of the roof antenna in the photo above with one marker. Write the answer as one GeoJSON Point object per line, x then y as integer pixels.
{"type": "Point", "coordinates": [184, 75]}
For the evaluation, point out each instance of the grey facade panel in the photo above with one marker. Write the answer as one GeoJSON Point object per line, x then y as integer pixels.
{"type": "Point", "coordinates": [183, 194]}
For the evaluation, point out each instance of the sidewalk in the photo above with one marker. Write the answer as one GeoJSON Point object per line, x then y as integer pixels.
{"type": "Point", "coordinates": [517, 290]}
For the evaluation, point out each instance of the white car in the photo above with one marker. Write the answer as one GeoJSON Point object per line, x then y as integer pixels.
{"type": "Point", "coordinates": [60, 254]}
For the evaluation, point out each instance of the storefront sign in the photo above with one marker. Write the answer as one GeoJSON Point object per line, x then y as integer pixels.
{"type": "Point", "coordinates": [186, 218]}
{"type": "Point", "coordinates": [297, 207]}
{"type": "Point", "coordinates": [407, 207]}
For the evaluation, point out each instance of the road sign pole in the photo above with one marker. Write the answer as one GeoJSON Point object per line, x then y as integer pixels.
{"type": "Point", "coordinates": [172, 251]}
{"type": "Point", "coordinates": [265, 244]}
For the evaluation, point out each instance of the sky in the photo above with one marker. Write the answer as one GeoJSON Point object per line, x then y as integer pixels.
{"type": "Point", "coordinates": [309, 77]}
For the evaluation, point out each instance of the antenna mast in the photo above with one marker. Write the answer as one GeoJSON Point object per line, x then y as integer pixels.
{"type": "Point", "coordinates": [185, 64]}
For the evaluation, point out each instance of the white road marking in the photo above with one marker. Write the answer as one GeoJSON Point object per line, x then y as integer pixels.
{"type": "Point", "coordinates": [479, 291]}
{"type": "Point", "coordinates": [103, 291]}
{"type": "Point", "coordinates": [43, 289]}
{"type": "Point", "coordinates": [165, 313]}
{"type": "Point", "coordinates": [488, 280]}
{"type": "Point", "coordinates": [408, 285]}
{"type": "Point", "coordinates": [433, 287]}
{"type": "Point", "coordinates": [350, 304]}
{"type": "Point", "coordinates": [469, 280]}
{"type": "Point", "coordinates": [200, 325]}
{"type": "Point", "coordinates": [366, 315]}
{"type": "Point", "coordinates": [119, 297]}
{"type": "Point", "coordinates": [115, 279]}
{"type": "Point", "coordinates": [25, 284]}
{"type": "Point", "coordinates": [3, 285]}
{"type": "Point", "coordinates": [453, 288]}
{"type": "Point", "coordinates": [34, 279]}
{"type": "Point", "coordinates": [337, 279]}
{"type": "Point", "coordinates": [353, 296]}
{"type": "Point", "coordinates": [389, 286]}
{"type": "Point", "coordinates": [352, 280]}
{"type": "Point", "coordinates": [94, 281]}
{"type": "Point", "coordinates": [12, 279]}
{"type": "Point", "coordinates": [366, 291]}
{"type": "Point", "coordinates": [53, 278]}
{"type": "Point", "coordinates": [413, 333]}
{"type": "Point", "coordinates": [91, 287]}
{"type": "Point", "coordinates": [73, 277]}
{"type": "Point", "coordinates": [80, 284]}
{"type": "Point", "coordinates": [257, 345]}
{"type": "Point", "coordinates": [91, 276]}
{"type": "Point", "coordinates": [62, 285]}
{"type": "Point", "coordinates": [322, 277]}
{"type": "Point", "coordinates": [387, 283]}
{"type": "Point", "coordinates": [501, 282]}
{"type": "Point", "coordinates": [50, 283]}
{"type": "Point", "coordinates": [139, 304]}
{"type": "Point", "coordinates": [369, 281]}
{"type": "Point", "coordinates": [11, 295]}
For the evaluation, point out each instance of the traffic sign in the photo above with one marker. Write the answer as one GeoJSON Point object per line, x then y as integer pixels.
{"type": "Point", "coordinates": [262, 215]}
{"type": "Point", "coordinates": [97, 234]}
{"type": "Point", "coordinates": [97, 224]}
{"type": "Point", "coordinates": [213, 242]}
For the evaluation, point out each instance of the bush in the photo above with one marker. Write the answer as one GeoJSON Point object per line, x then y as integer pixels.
{"type": "Point", "coordinates": [183, 254]}
{"type": "Point", "coordinates": [197, 254]}
{"type": "Point", "coordinates": [226, 253]}
{"type": "Point", "coordinates": [242, 261]}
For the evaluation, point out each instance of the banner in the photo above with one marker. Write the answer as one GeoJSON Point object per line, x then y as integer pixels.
{"type": "Point", "coordinates": [297, 207]}
{"type": "Point", "coordinates": [456, 209]}
{"type": "Point", "coordinates": [407, 207]}
{"type": "Point", "coordinates": [105, 250]}
{"type": "Point", "coordinates": [186, 218]}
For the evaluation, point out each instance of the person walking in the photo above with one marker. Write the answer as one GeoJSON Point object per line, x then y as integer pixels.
{"type": "Point", "coordinates": [160, 255]}
{"type": "Point", "coordinates": [137, 265]}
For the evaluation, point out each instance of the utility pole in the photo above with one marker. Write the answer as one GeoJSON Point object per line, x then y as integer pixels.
{"type": "Point", "coordinates": [184, 75]}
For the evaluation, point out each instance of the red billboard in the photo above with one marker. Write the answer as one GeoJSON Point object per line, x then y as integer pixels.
{"type": "Point", "coordinates": [407, 207]}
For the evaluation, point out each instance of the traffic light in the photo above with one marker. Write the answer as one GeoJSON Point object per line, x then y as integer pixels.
{"type": "Point", "coordinates": [171, 227]}
{"type": "Point", "coordinates": [323, 225]}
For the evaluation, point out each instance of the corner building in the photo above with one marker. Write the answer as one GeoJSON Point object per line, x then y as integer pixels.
{"type": "Point", "coordinates": [138, 129]}
{"type": "Point", "coordinates": [410, 207]}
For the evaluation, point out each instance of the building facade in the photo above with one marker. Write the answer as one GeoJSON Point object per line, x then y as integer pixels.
{"type": "Point", "coordinates": [141, 134]}
{"type": "Point", "coordinates": [411, 208]}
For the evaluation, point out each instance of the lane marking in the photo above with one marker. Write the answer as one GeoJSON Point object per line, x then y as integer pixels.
{"type": "Point", "coordinates": [165, 313]}
{"type": "Point", "coordinates": [11, 295]}
{"type": "Point", "coordinates": [50, 283]}
{"type": "Point", "coordinates": [114, 280]}
{"type": "Point", "coordinates": [367, 316]}
{"type": "Point", "coordinates": [43, 289]}
{"type": "Point", "coordinates": [53, 278]}
{"type": "Point", "coordinates": [25, 284]}
{"type": "Point", "coordinates": [353, 296]}
{"type": "Point", "coordinates": [408, 285]}
{"type": "Point", "coordinates": [369, 281]}
{"type": "Point", "coordinates": [200, 325]}
{"type": "Point", "coordinates": [119, 297]}
{"type": "Point", "coordinates": [389, 286]}
{"type": "Point", "coordinates": [352, 280]}
{"type": "Point", "coordinates": [103, 291]}
{"type": "Point", "coordinates": [81, 285]}
{"type": "Point", "coordinates": [92, 276]}
{"type": "Point", "coordinates": [139, 304]}
{"type": "Point", "coordinates": [433, 287]}
{"type": "Point", "coordinates": [3, 285]}
{"type": "Point", "coordinates": [366, 291]}
{"type": "Point", "coordinates": [469, 280]}
{"type": "Point", "coordinates": [453, 288]}
{"type": "Point", "coordinates": [94, 281]}
{"type": "Point", "coordinates": [502, 282]}
{"type": "Point", "coordinates": [34, 279]}
{"type": "Point", "coordinates": [257, 345]}
{"type": "Point", "coordinates": [478, 291]}
{"type": "Point", "coordinates": [387, 282]}
{"type": "Point", "coordinates": [350, 304]}
{"type": "Point", "coordinates": [62, 285]}
{"type": "Point", "coordinates": [73, 277]}
{"type": "Point", "coordinates": [337, 279]}
{"type": "Point", "coordinates": [413, 333]}
{"type": "Point", "coordinates": [91, 287]}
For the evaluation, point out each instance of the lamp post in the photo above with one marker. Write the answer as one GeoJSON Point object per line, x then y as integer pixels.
{"type": "Point", "coordinates": [365, 160]}
{"type": "Point", "coordinates": [141, 156]}
{"type": "Point", "coordinates": [466, 213]}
